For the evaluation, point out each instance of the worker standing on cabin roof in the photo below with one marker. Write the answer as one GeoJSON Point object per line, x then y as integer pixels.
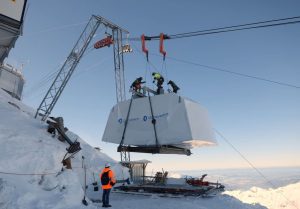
{"type": "Point", "coordinates": [137, 84]}
{"type": "Point", "coordinates": [160, 81]}
{"type": "Point", "coordinates": [174, 86]}
{"type": "Point", "coordinates": [108, 180]}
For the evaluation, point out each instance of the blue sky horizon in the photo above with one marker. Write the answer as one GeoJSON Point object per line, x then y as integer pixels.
{"type": "Point", "coordinates": [260, 119]}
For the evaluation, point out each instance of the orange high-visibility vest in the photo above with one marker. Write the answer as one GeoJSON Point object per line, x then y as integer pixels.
{"type": "Point", "coordinates": [111, 176]}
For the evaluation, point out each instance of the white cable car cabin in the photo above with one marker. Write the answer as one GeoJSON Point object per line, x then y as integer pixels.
{"type": "Point", "coordinates": [159, 124]}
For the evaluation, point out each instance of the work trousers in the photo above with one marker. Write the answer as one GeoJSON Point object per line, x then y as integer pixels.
{"type": "Point", "coordinates": [105, 196]}
{"type": "Point", "coordinates": [159, 84]}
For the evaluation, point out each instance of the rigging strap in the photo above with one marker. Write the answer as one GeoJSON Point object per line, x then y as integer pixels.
{"type": "Point", "coordinates": [153, 121]}
{"type": "Point", "coordinates": [126, 122]}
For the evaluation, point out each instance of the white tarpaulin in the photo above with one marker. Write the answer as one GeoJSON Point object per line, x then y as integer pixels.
{"type": "Point", "coordinates": [179, 121]}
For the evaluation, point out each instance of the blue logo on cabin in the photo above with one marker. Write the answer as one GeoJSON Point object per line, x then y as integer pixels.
{"type": "Point", "coordinates": [145, 118]}
{"type": "Point", "coordinates": [120, 120]}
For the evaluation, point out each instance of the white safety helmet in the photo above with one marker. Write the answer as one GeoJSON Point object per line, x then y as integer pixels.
{"type": "Point", "coordinates": [107, 165]}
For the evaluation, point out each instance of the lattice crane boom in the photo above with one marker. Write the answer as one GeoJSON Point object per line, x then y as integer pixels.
{"type": "Point", "coordinates": [73, 59]}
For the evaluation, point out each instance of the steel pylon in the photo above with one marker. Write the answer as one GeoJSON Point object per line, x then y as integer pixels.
{"type": "Point", "coordinates": [62, 78]}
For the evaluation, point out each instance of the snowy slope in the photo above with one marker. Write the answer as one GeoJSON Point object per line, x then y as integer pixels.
{"type": "Point", "coordinates": [30, 164]}
{"type": "Point", "coordinates": [26, 148]}
{"type": "Point", "coordinates": [287, 197]}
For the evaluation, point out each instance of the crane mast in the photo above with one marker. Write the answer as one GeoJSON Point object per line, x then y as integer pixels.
{"type": "Point", "coordinates": [69, 66]}
{"type": "Point", "coordinates": [119, 65]}
{"type": "Point", "coordinates": [67, 69]}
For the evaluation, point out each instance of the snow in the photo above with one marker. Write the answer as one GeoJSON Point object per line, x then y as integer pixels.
{"type": "Point", "coordinates": [26, 148]}
{"type": "Point", "coordinates": [282, 197]}
{"type": "Point", "coordinates": [31, 176]}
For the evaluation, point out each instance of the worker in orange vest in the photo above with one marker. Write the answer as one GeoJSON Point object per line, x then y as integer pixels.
{"type": "Point", "coordinates": [108, 180]}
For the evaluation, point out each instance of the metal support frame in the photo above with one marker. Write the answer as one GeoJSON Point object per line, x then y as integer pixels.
{"type": "Point", "coordinates": [132, 165]}
{"type": "Point", "coordinates": [73, 59]}
{"type": "Point", "coordinates": [58, 85]}
{"type": "Point", "coordinates": [119, 65]}
{"type": "Point", "coordinates": [162, 149]}
{"type": "Point", "coordinates": [67, 69]}
{"type": "Point", "coordinates": [125, 155]}
{"type": "Point", "coordinates": [119, 74]}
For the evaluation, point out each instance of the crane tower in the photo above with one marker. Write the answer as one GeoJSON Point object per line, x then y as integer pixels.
{"type": "Point", "coordinates": [67, 69]}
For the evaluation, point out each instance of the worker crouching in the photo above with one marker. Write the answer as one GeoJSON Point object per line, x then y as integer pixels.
{"type": "Point", "coordinates": [136, 87]}
{"type": "Point", "coordinates": [174, 86]}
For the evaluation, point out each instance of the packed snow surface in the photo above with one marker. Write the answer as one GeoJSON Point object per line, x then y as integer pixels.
{"type": "Point", "coordinates": [31, 176]}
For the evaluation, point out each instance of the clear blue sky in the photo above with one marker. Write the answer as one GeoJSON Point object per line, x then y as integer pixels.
{"type": "Point", "coordinates": [260, 119]}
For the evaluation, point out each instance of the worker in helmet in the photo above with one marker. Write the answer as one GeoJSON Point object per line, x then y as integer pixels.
{"type": "Point", "coordinates": [137, 84]}
{"type": "Point", "coordinates": [108, 180]}
{"type": "Point", "coordinates": [160, 80]}
{"type": "Point", "coordinates": [174, 86]}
